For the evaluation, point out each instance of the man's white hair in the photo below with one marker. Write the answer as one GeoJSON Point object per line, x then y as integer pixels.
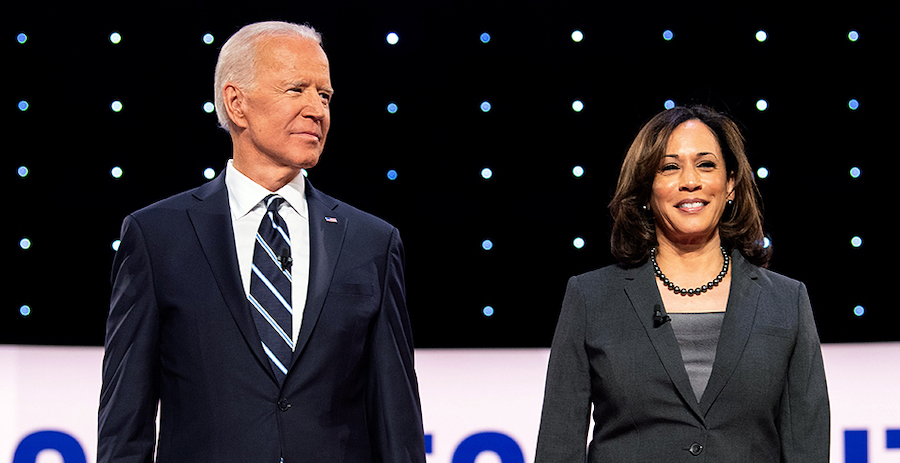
{"type": "Point", "coordinates": [237, 59]}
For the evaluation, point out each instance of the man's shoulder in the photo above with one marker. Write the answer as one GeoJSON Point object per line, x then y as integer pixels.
{"type": "Point", "coordinates": [354, 215]}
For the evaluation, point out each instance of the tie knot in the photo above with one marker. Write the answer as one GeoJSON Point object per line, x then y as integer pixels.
{"type": "Point", "coordinates": [273, 202]}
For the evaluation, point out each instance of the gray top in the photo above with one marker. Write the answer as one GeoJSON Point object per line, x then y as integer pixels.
{"type": "Point", "coordinates": [698, 336]}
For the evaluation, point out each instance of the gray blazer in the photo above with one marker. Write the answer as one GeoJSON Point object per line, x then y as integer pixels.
{"type": "Point", "coordinates": [766, 400]}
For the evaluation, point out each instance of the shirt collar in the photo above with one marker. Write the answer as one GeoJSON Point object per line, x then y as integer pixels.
{"type": "Point", "coordinates": [244, 194]}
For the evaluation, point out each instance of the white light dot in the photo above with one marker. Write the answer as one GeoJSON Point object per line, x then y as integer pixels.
{"type": "Point", "coordinates": [859, 311]}
{"type": "Point", "coordinates": [392, 108]}
{"type": "Point", "coordinates": [209, 107]}
{"type": "Point", "coordinates": [304, 172]}
{"type": "Point", "coordinates": [762, 105]}
{"type": "Point", "coordinates": [22, 171]}
{"type": "Point", "coordinates": [487, 245]}
{"type": "Point", "coordinates": [115, 37]}
{"type": "Point", "coordinates": [855, 172]}
{"type": "Point", "coordinates": [25, 243]}
{"type": "Point", "coordinates": [115, 245]}
{"type": "Point", "coordinates": [762, 172]}
{"type": "Point", "coordinates": [25, 311]}
{"type": "Point", "coordinates": [761, 36]}
{"type": "Point", "coordinates": [487, 311]}
{"type": "Point", "coordinates": [668, 35]}
{"type": "Point", "coordinates": [853, 36]}
{"type": "Point", "coordinates": [577, 36]}
{"type": "Point", "coordinates": [577, 106]}
{"type": "Point", "coordinates": [856, 241]}
{"type": "Point", "coordinates": [23, 105]}
{"type": "Point", "coordinates": [116, 172]}
{"type": "Point", "coordinates": [487, 173]}
{"type": "Point", "coordinates": [392, 38]}
{"type": "Point", "coordinates": [21, 38]}
{"type": "Point", "coordinates": [485, 37]}
{"type": "Point", "coordinates": [853, 104]}
{"type": "Point", "coordinates": [116, 106]}
{"type": "Point", "coordinates": [485, 106]}
{"type": "Point", "coordinates": [766, 242]}
{"type": "Point", "coordinates": [208, 38]}
{"type": "Point", "coordinates": [578, 171]}
{"type": "Point", "coordinates": [669, 104]}
{"type": "Point", "coordinates": [578, 242]}
{"type": "Point", "coordinates": [209, 173]}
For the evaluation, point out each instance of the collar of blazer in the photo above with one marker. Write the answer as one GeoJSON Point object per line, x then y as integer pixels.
{"type": "Point", "coordinates": [640, 287]}
{"type": "Point", "coordinates": [211, 219]}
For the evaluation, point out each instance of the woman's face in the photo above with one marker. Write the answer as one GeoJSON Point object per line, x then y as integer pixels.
{"type": "Point", "coordinates": [691, 187]}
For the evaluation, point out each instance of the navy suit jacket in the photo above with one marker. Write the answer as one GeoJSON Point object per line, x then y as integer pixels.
{"type": "Point", "coordinates": [180, 334]}
{"type": "Point", "coordinates": [766, 400]}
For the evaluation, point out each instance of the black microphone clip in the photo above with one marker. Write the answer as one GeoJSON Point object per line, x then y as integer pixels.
{"type": "Point", "coordinates": [285, 259]}
{"type": "Point", "coordinates": [659, 318]}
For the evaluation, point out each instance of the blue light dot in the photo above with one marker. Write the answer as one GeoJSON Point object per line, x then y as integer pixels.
{"type": "Point", "coordinates": [859, 311]}
{"type": "Point", "coordinates": [855, 172]}
{"type": "Point", "coordinates": [578, 242]}
{"type": "Point", "coordinates": [487, 173]}
{"type": "Point", "coordinates": [115, 37]}
{"type": "Point", "coordinates": [578, 171]}
{"type": "Point", "coordinates": [392, 38]}
{"type": "Point", "coordinates": [116, 106]}
{"type": "Point", "coordinates": [762, 172]}
{"type": "Point", "coordinates": [209, 173]}
{"type": "Point", "coordinates": [21, 38]}
{"type": "Point", "coordinates": [853, 36]}
{"type": "Point", "coordinates": [25, 311]}
{"type": "Point", "coordinates": [485, 106]}
{"type": "Point", "coordinates": [23, 105]}
{"type": "Point", "coordinates": [487, 245]}
{"type": "Point", "coordinates": [392, 174]}
{"type": "Point", "coordinates": [392, 108]}
{"type": "Point", "coordinates": [115, 245]}
{"type": "Point", "coordinates": [761, 36]}
{"type": "Point", "coordinates": [856, 241]}
{"type": "Point", "coordinates": [208, 38]}
{"type": "Point", "coordinates": [577, 36]}
{"type": "Point", "coordinates": [116, 172]}
{"type": "Point", "coordinates": [487, 311]}
{"type": "Point", "coordinates": [25, 243]}
{"type": "Point", "coordinates": [853, 104]}
{"type": "Point", "coordinates": [485, 37]}
{"type": "Point", "coordinates": [668, 35]}
{"type": "Point", "coordinates": [22, 171]}
{"type": "Point", "coordinates": [766, 242]}
{"type": "Point", "coordinates": [669, 104]}
{"type": "Point", "coordinates": [762, 105]}
{"type": "Point", "coordinates": [577, 106]}
{"type": "Point", "coordinates": [209, 107]}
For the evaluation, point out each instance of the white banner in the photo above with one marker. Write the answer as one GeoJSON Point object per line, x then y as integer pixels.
{"type": "Point", "coordinates": [479, 406]}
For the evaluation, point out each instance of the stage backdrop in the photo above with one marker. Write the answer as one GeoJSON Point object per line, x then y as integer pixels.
{"type": "Point", "coordinates": [480, 406]}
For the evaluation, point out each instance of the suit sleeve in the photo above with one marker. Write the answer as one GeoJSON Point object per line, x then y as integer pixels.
{"type": "Point", "coordinates": [805, 416]}
{"type": "Point", "coordinates": [393, 409]}
{"type": "Point", "coordinates": [565, 416]}
{"type": "Point", "coordinates": [130, 392]}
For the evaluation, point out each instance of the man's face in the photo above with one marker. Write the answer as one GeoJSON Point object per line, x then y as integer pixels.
{"type": "Point", "coordinates": [286, 115]}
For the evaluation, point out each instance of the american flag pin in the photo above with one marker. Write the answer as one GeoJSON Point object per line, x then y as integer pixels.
{"type": "Point", "coordinates": [331, 219]}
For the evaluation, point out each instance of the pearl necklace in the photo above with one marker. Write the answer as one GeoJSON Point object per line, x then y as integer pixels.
{"type": "Point", "coordinates": [684, 291]}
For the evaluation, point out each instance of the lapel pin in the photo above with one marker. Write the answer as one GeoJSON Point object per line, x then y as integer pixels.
{"type": "Point", "coordinates": [331, 219]}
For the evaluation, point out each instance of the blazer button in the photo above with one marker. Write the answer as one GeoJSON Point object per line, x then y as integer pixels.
{"type": "Point", "coordinates": [284, 405]}
{"type": "Point", "coordinates": [695, 449]}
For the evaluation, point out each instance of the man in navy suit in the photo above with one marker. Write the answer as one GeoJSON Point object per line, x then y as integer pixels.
{"type": "Point", "coordinates": [187, 333]}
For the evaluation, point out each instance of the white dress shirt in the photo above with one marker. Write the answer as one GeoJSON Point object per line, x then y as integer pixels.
{"type": "Point", "coordinates": [245, 197]}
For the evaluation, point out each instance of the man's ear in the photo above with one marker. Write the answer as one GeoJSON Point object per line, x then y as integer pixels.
{"type": "Point", "coordinates": [234, 100]}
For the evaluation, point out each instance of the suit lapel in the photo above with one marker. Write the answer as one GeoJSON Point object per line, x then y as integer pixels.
{"type": "Point", "coordinates": [640, 286]}
{"type": "Point", "coordinates": [211, 218]}
{"type": "Point", "coordinates": [326, 236]}
{"type": "Point", "coordinates": [739, 315]}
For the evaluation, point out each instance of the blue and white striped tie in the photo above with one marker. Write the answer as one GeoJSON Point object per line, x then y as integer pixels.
{"type": "Point", "coordinates": [270, 287]}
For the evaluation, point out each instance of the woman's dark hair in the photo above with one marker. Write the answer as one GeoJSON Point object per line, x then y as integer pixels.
{"type": "Point", "coordinates": [633, 230]}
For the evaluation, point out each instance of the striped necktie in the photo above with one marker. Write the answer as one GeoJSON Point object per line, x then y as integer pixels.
{"type": "Point", "coordinates": [270, 287]}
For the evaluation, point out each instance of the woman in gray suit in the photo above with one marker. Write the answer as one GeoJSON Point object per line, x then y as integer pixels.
{"type": "Point", "coordinates": [689, 349]}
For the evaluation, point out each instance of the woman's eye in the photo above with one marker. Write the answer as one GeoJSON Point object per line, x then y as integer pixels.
{"type": "Point", "coordinates": [667, 167]}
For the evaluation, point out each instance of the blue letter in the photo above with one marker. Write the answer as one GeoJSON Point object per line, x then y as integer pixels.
{"type": "Point", "coordinates": [501, 444]}
{"type": "Point", "coordinates": [856, 446]}
{"type": "Point", "coordinates": [33, 444]}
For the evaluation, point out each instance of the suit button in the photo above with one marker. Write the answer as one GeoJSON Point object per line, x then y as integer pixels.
{"type": "Point", "coordinates": [284, 405]}
{"type": "Point", "coordinates": [695, 449]}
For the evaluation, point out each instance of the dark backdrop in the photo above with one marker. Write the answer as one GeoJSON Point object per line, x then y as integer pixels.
{"type": "Point", "coordinates": [70, 207]}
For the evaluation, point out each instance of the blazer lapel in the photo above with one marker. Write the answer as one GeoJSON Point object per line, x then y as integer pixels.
{"type": "Point", "coordinates": [326, 237]}
{"type": "Point", "coordinates": [640, 286]}
{"type": "Point", "coordinates": [741, 310]}
{"type": "Point", "coordinates": [211, 218]}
